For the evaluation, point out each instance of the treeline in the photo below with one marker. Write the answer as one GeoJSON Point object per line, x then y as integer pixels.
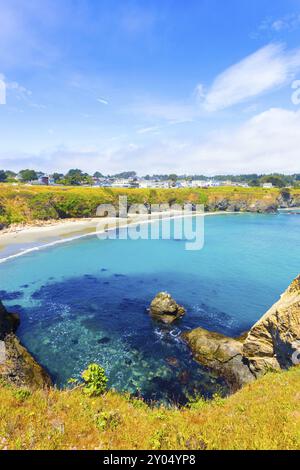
{"type": "Point", "coordinates": [76, 177]}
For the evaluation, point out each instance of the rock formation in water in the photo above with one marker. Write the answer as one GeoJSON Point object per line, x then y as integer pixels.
{"type": "Point", "coordinates": [222, 354]}
{"type": "Point", "coordinates": [165, 309]}
{"type": "Point", "coordinates": [17, 366]}
{"type": "Point", "coordinates": [273, 343]}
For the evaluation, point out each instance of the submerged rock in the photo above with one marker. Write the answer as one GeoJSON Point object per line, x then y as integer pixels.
{"type": "Point", "coordinates": [165, 309]}
{"type": "Point", "coordinates": [172, 361]}
{"type": "Point", "coordinates": [273, 343]}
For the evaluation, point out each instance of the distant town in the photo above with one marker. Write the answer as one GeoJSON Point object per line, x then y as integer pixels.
{"type": "Point", "coordinates": [130, 179]}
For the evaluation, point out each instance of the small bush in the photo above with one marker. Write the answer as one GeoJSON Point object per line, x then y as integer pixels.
{"type": "Point", "coordinates": [95, 380]}
{"type": "Point", "coordinates": [22, 394]}
{"type": "Point", "coordinates": [108, 420]}
{"type": "Point", "coordinates": [197, 402]}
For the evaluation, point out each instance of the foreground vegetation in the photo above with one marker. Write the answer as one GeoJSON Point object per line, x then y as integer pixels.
{"type": "Point", "coordinates": [263, 415]}
{"type": "Point", "coordinates": [23, 203]}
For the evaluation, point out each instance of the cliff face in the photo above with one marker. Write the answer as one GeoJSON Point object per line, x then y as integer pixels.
{"type": "Point", "coordinates": [17, 366]}
{"type": "Point", "coordinates": [273, 343]}
{"type": "Point", "coordinates": [262, 202]}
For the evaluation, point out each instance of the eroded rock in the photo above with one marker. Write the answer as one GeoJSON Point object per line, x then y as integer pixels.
{"type": "Point", "coordinates": [9, 322]}
{"type": "Point", "coordinates": [165, 309]}
{"type": "Point", "coordinates": [273, 341]}
{"type": "Point", "coordinates": [221, 354]}
{"type": "Point", "coordinates": [17, 366]}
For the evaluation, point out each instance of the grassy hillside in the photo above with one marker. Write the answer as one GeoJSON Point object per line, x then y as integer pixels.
{"type": "Point", "coordinates": [263, 415]}
{"type": "Point", "coordinates": [28, 203]}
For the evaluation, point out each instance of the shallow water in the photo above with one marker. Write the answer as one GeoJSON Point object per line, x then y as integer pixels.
{"type": "Point", "coordinates": [86, 301]}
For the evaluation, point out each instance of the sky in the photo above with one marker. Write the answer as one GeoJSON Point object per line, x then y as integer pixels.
{"type": "Point", "coordinates": [156, 86]}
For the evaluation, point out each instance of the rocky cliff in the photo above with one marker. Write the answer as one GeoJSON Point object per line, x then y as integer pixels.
{"type": "Point", "coordinates": [262, 202]}
{"type": "Point", "coordinates": [17, 366]}
{"type": "Point", "coordinates": [273, 343]}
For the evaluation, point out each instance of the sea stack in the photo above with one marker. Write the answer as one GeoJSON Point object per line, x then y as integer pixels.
{"type": "Point", "coordinates": [165, 309]}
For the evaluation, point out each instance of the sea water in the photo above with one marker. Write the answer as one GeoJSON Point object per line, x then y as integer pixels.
{"type": "Point", "coordinates": [87, 300]}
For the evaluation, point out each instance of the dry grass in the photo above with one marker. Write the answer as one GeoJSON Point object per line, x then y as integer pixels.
{"type": "Point", "coordinates": [263, 415]}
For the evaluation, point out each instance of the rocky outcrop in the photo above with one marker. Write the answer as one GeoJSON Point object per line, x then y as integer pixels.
{"type": "Point", "coordinates": [9, 322]}
{"type": "Point", "coordinates": [288, 199]}
{"type": "Point", "coordinates": [17, 366]}
{"type": "Point", "coordinates": [221, 354]}
{"type": "Point", "coordinates": [165, 309]}
{"type": "Point", "coordinates": [273, 343]}
{"type": "Point", "coordinates": [230, 204]}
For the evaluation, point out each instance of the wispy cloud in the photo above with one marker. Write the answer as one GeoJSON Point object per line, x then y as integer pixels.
{"type": "Point", "coordinates": [102, 101]}
{"type": "Point", "coordinates": [147, 130]}
{"type": "Point", "coordinates": [265, 70]}
{"type": "Point", "coordinates": [288, 23]}
{"type": "Point", "coordinates": [19, 92]}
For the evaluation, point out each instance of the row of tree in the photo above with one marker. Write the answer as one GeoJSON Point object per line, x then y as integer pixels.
{"type": "Point", "coordinates": [76, 177]}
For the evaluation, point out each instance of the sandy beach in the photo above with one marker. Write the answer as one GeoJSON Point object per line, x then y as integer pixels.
{"type": "Point", "coordinates": [17, 239]}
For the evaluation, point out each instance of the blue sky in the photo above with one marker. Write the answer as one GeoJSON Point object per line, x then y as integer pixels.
{"type": "Point", "coordinates": [156, 86]}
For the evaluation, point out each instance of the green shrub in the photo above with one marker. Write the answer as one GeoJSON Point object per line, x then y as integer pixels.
{"type": "Point", "coordinates": [108, 420]}
{"type": "Point", "coordinates": [95, 380]}
{"type": "Point", "coordinates": [22, 394]}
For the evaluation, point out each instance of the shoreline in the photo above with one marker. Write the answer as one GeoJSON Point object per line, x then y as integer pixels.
{"type": "Point", "coordinates": [22, 239]}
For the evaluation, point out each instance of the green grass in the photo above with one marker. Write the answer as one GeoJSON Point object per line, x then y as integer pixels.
{"type": "Point", "coordinates": [263, 415]}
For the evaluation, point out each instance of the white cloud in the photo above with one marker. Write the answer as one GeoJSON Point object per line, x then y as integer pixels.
{"type": "Point", "coordinates": [268, 142]}
{"type": "Point", "coordinates": [285, 23]}
{"type": "Point", "coordinates": [102, 101]}
{"type": "Point", "coordinates": [19, 90]}
{"type": "Point", "coordinates": [265, 70]}
{"type": "Point", "coordinates": [147, 130]}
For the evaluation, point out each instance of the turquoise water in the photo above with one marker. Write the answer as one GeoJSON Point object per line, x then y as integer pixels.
{"type": "Point", "coordinates": [86, 301]}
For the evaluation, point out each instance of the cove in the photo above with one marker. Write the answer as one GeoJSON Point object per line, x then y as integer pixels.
{"type": "Point", "coordinates": [86, 301]}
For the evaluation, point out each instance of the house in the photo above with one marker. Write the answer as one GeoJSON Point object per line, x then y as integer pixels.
{"type": "Point", "coordinates": [267, 185]}
{"type": "Point", "coordinates": [153, 184]}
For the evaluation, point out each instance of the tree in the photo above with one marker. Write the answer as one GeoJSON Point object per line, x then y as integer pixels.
{"type": "Point", "coordinates": [28, 175]}
{"type": "Point", "coordinates": [276, 180]}
{"type": "Point", "coordinates": [74, 177]}
{"type": "Point", "coordinates": [97, 174]}
{"type": "Point", "coordinates": [10, 174]}
{"type": "Point", "coordinates": [57, 177]}
{"type": "Point", "coordinates": [3, 176]}
{"type": "Point", "coordinates": [254, 182]}
{"type": "Point", "coordinates": [126, 174]}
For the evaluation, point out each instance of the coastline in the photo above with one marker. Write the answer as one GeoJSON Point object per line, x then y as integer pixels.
{"type": "Point", "coordinates": [18, 240]}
